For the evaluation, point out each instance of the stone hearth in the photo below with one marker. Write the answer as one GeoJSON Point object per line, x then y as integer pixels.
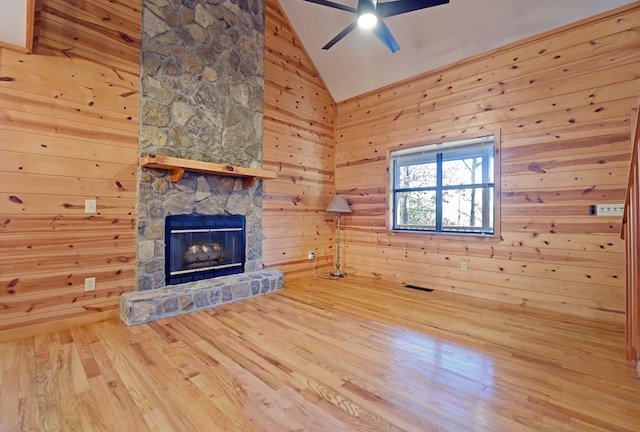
{"type": "Point", "coordinates": [145, 306]}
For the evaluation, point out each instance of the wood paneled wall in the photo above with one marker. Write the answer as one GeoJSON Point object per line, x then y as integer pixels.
{"type": "Point", "coordinates": [299, 122]}
{"type": "Point", "coordinates": [562, 103]}
{"type": "Point", "coordinates": [69, 132]}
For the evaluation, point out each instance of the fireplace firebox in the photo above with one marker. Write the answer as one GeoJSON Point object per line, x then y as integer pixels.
{"type": "Point", "coordinates": [202, 247]}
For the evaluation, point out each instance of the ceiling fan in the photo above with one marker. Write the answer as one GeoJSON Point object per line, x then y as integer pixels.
{"type": "Point", "coordinates": [370, 14]}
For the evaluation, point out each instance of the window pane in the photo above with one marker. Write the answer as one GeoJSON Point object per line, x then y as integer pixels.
{"type": "Point", "coordinates": [468, 209]}
{"type": "Point", "coordinates": [416, 176]}
{"type": "Point", "coordinates": [416, 209]}
{"type": "Point", "coordinates": [462, 171]}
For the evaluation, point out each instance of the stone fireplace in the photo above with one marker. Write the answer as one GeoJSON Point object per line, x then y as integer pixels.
{"type": "Point", "coordinates": [202, 99]}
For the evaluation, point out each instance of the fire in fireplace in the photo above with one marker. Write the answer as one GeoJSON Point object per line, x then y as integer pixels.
{"type": "Point", "coordinates": [202, 247]}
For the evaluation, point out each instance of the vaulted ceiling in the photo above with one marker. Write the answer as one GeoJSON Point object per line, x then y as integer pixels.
{"type": "Point", "coordinates": [429, 39]}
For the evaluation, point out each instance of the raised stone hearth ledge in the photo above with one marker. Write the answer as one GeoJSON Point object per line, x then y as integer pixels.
{"type": "Point", "coordinates": [140, 307]}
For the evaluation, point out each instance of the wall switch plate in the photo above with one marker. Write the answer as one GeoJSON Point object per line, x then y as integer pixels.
{"type": "Point", "coordinates": [610, 209]}
{"type": "Point", "coordinates": [90, 284]}
{"type": "Point", "coordinates": [463, 266]}
{"type": "Point", "coordinates": [90, 206]}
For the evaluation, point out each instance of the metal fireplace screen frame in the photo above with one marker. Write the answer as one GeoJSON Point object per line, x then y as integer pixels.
{"type": "Point", "coordinates": [202, 247]}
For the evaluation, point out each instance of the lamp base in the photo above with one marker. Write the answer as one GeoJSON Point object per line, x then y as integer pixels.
{"type": "Point", "coordinates": [338, 273]}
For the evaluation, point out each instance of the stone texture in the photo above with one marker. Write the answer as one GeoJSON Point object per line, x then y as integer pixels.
{"type": "Point", "coordinates": [152, 137]}
{"type": "Point", "coordinates": [152, 24]}
{"type": "Point", "coordinates": [169, 306]}
{"type": "Point", "coordinates": [146, 250]}
{"type": "Point", "coordinates": [180, 138]}
{"type": "Point", "coordinates": [182, 113]}
{"type": "Point", "coordinates": [153, 230]}
{"type": "Point", "coordinates": [203, 190]}
{"type": "Point", "coordinates": [156, 208]}
{"type": "Point", "coordinates": [160, 186]}
{"type": "Point", "coordinates": [171, 68]}
{"type": "Point", "coordinates": [202, 97]}
{"type": "Point", "coordinates": [140, 307]}
{"type": "Point", "coordinates": [203, 17]}
{"type": "Point", "coordinates": [210, 74]}
{"type": "Point", "coordinates": [154, 114]}
{"type": "Point", "coordinates": [157, 90]}
{"type": "Point", "coordinates": [154, 266]}
{"type": "Point", "coordinates": [180, 203]}
{"type": "Point", "coordinates": [211, 205]}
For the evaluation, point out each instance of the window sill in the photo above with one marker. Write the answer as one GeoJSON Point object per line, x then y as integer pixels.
{"type": "Point", "coordinates": [462, 237]}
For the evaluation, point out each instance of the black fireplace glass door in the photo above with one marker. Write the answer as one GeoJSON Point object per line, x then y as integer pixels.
{"type": "Point", "coordinates": [201, 247]}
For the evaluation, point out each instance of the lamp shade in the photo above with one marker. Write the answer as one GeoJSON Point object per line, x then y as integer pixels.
{"type": "Point", "coordinates": [339, 205]}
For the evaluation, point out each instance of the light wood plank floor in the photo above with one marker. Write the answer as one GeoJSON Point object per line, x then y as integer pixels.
{"type": "Point", "coordinates": [347, 355]}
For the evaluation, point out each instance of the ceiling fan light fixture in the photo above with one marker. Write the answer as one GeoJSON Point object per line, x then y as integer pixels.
{"type": "Point", "coordinates": [369, 11]}
{"type": "Point", "coordinates": [367, 20]}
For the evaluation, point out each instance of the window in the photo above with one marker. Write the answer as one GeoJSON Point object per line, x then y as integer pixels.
{"type": "Point", "coordinates": [447, 187]}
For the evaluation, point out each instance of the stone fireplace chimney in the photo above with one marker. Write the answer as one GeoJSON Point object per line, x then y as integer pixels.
{"type": "Point", "coordinates": [202, 98]}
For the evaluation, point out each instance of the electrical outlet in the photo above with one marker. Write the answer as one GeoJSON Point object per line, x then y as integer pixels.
{"type": "Point", "coordinates": [463, 266]}
{"type": "Point", "coordinates": [610, 209]}
{"type": "Point", "coordinates": [311, 255]}
{"type": "Point", "coordinates": [90, 206]}
{"type": "Point", "coordinates": [90, 284]}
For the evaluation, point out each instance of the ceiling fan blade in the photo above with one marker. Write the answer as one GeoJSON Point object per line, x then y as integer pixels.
{"type": "Point", "coordinates": [384, 34]}
{"type": "Point", "coordinates": [398, 7]}
{"type": "Point", "coordinates": [333, 5]}
{"type": "Point", "coordinates": [340, 35]}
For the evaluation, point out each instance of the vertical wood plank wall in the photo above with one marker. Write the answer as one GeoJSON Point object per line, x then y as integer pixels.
{"type": "Point", "coordinates": [69, 132]}
{"type": "Point", "coordinates": [562, 102]}
{"type": "Point", "coordinates": [299, 122]}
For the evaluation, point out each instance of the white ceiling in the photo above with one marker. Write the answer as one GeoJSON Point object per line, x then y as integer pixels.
{"type": "Point", "coordinates": [428, 38]}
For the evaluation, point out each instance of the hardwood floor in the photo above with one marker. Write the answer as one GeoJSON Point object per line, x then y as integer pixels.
{"type": "Point", "coordinates": [322, 355]}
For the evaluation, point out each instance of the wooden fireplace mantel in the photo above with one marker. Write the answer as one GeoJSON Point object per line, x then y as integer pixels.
{"type": "Point", "coordinates": [178, 166]}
